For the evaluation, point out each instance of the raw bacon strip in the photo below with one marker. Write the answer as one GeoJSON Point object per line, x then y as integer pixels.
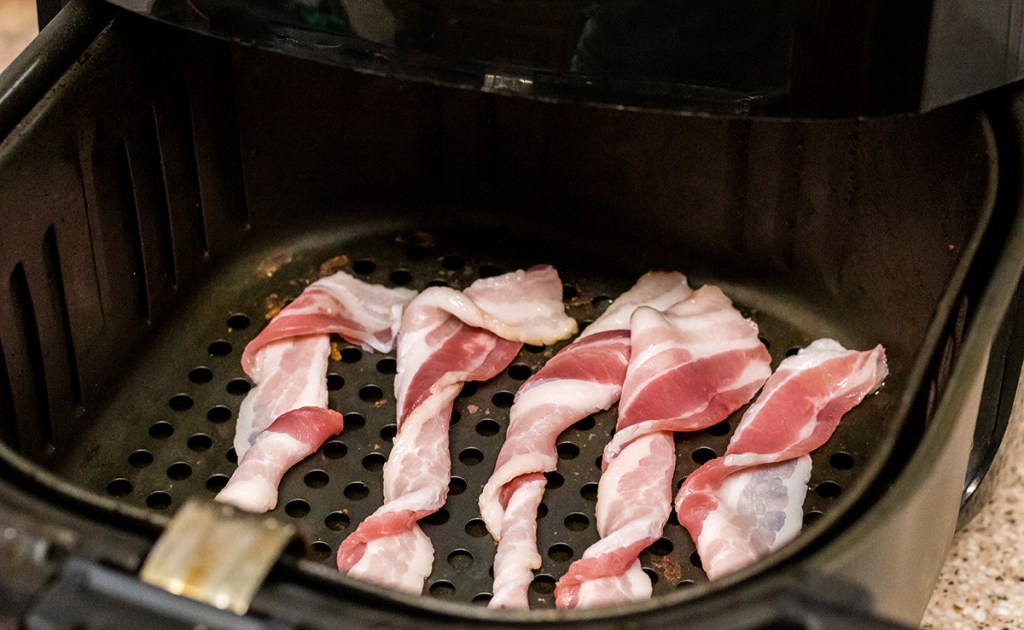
{"type": "Point", "coordinates": [583, 378]}
{"type": "Point", "coordinates": [691, 367]}
{"type": "Point", "coordinates": [287, 361]}
{"type": "Point", "coordinates": [294, 436]}
{"type": "Point", "coordinates": [634, 499]}
{"type": "Point", "coordinates": [362, 313]}
{"type": "Point", "coordinates": [289, 374]}
{"type": "Point", "coordinates": [760, 509]}
{"type": "Point", "coordinates": [740, 507]}
{"type": "Point", "coordinates": [446, 339]}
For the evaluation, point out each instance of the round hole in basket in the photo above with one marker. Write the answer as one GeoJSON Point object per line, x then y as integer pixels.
{"type": "Point", "coordinates": [351, 355]}
{"type": "Point", "coordinates": [520, 371]}
{"type": "Point", "coordinates": [316, 479]}
{"type": "Point", "coordinates": [661, 547]}
{"type": "Point", "coordinates": [238, 387]}
{"type": "Point", "coordinates": [488, 427]}
{"type": "Point", "coordinates": [364, 267]}
{"type": "Point", "coordinates": [482, 598]}
{"type": "Point", "coordinates": [440, 517]}
{"type": "Point", "coordinates": [400, 277]}
{"type": "Point", "coordinates": [841, 460]}
{"type": "Point", "coordinates": [319, 550]}
{"type": "Point", "coordinates": [586, 424]}
{"type": "Point", "coordinates": [442, 589]}
{"type": "Point", "coordinates": [219, 414]}
{"type": "Point", "coordinates": [503, 400]}
{"type": "Point", "coordinates": [568, 450]}
{"type": "Point", "coordinates": [371, 393]}
{"type": "Point", "coordinates": [179, 471]}
{"type": "Point", "coordinates": [543, 584]}
{"type": "Point", "coordinates": [374, 462]}
{"type": "Point", "coordinates": [119, 488]}
{"type": "Point", "coordinates": [140, 458]}
{"type": "Point", "coordinates": [334, 449]}
{"type": "Point", "coordinates": [577, 522]}
{"type": "Point", "coordinates": [200, 375]}
{"type": "Point", "coordinates": [356, 491]}
{"type": "Point", "coordinates": [297, 508]}
{"type": "Point", "coordinates": [703, 455]}
{"type": "Point", "coordinates": [219, 348]}
{"type": "Point", "coordinates": [200, 442]}
{"type": "Point", "coordinates": [238, 321]}
{"type": "Point", "coordinates": [828, 490]}
{"type": "Point", "coordinates": [720, 429]}
{"type": "Point", "coordinates": [456, 486]}
{"type": "Point", "coordinates": [476, 528]}
{"type": "Point", "coordinates": [159, 500]}
{"type": "Point", "coordinates": [337, 521]}
{"type": "Point", "coordinates": [354, 421]}
{"type": "Point", "coordinates": [216, 483]}
{"type": "Point", "coordinates": [471, 456]}
{"type": "Point", "coordinates": [460, 560]}
{"type": "Point", "coordinates": [161, 430]}
{"type": "Point", "coordinates": [560, 552]}
{"type": "Point", "coordinates": [652, 575]}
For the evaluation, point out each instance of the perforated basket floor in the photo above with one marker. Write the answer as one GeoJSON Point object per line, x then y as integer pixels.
{"type": "Point", "coordinates": [166, 433]}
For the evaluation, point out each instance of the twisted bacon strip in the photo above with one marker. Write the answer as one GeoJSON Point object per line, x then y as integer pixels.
{"type": "Point", "coordinates": [583, 378]}
{"type": "Point", "coordinates": [293, 437]}
{"type": "Point", "coordinates": [287, 361]}
{"type": "Point", "coordinates": [446, 339]}
{"type": "Point", "coordinates": [284, 418]}
{"type": "Point", "coordinates": [691, 366]}
{"type": "Point", "coordinates": [740, 507]}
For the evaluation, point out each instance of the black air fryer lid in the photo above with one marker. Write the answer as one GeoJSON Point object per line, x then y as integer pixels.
{"type": "Point", "coordinates": [773, 57]}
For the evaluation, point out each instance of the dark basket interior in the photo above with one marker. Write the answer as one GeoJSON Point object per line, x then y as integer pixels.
{"type": "Point", "coordinates": [172, 191]}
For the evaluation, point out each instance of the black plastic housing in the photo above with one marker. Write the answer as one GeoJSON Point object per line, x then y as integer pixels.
{"type": "Point", "coordinates": [793, 58]}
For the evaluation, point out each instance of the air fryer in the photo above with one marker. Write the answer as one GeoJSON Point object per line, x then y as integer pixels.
{"type": "Point", "coordinates": [172, 174]}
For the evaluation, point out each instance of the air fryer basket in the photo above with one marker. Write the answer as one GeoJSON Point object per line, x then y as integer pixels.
{"type": "Point", "coordinates": [170, 193]}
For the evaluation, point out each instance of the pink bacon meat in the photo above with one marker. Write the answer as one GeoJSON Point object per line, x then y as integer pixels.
{"type": "Point", "coordinates": [293, 437]}
{"type": "Point", "coordinates": [583, 378]}
{"type": "Point", "coordinates": [287, 362]}
{"type": "Point", "coordinates": [691, 367]}
{"type": "Point", "coordinates": [446, 339]}
{"type": "Point", "coordinates": [748, 503]}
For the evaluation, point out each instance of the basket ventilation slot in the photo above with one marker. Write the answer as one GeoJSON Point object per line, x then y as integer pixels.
{"type": "Point", "coordinates": [59, 302]}
{"type": "Point", "coordinates": [129, 219]}
{"type": "Point", "coordinates": [8, 421]}
{"type": "Point", "coordinates": [36, 430]}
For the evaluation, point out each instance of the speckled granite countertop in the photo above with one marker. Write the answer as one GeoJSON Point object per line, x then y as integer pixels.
{"type": "Point", "coordinates": [982, 582]}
